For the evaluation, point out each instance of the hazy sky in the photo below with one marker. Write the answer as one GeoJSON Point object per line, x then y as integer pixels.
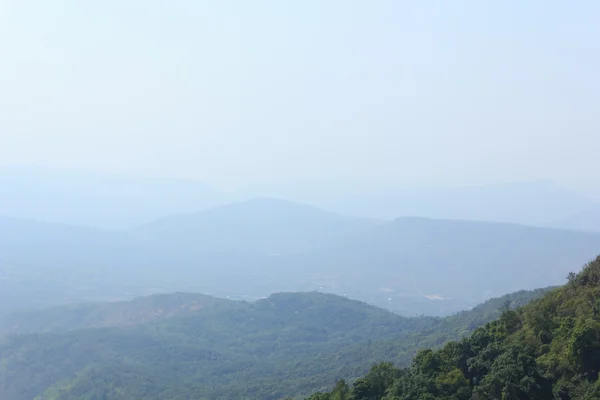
{"type": "Point", "coordinates": [240, 91]}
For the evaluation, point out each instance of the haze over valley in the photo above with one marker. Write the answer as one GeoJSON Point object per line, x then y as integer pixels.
{"type": "Point", "coordinates": [310, 200]}
{"type": "Point", "coordinates": [248, 249]}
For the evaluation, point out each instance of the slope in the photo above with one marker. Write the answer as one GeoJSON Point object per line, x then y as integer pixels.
{"type": "Point", "coordinates": [528, 202]}
{"type": "Point", "coordinates": [585, 220]}
{"type": "Point", "coordinates": [47, 263]}
{"type": "Point", "coordinates": [287, 343]}
{"type": "Point", "coordinates": [141, 310]}
{"type": "Point", "coordinates": [412, 266]}
{"type": "Point", "coordinates": [549, 349]}
{"type": "Point", "coordinates": [442, 266]}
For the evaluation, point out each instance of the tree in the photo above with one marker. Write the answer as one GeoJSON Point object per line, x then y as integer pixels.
{"type": "Point", "coordinates": [376, 383]}
{"type": "Point", "coordinates": [341, 391]}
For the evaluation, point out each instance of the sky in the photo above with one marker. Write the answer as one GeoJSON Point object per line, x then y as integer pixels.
{"type": "Point", "coordinates": [234, 92]}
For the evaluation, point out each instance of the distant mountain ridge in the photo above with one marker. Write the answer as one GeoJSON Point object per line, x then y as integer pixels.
{"type": "Point", "coordinates": [262, 225]}
{"type": "Point", "coordinates": [533, 202]}
{"type": "Point", "coordinates": [112, 201]}
{"type": "Point", "coordinates": [585, 220]}
{"type": "Point", "coordinates": [410, 265]}
{"type": "Point", "coordinates": [413, 258]}
{"type": "Point", "coordinates": [102, 200]}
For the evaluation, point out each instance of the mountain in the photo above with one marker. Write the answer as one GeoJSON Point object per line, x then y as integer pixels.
{"type": "Point", "coordinates": [549, 349]}
{"type": "Point", "coordinates": [529, 202]}
{"type": "Point", "coordinates": [225, 351]}
{"type": "Point", "coordinates": [442, 266]}
{"type": "Point", "coordinates": [141, 310]}
{"type": "Point", "coordinates": [586, 220]}
{"type": "Point", "coordinates": [18, 231]}
{"type": "Point", "coordinates": [412, 266]}
{"type": "Point", "coordinates": [112, 201]}
{"type": "Point", "coordinates": [43, 263]}
{"type": "Point", "coordinates": [264, 226]}
{"type": "Point", "coordinates": [201, 347]}
{"type": "Point", "coordinates": [107, 201]}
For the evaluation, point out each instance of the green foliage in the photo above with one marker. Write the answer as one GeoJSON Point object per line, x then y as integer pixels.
{"type": "Point", "coordinates": [549, 349]}
{"type": "Point", "coordinates": [195, 347]}
{"type": "Point", "coordinates": [376, 382]}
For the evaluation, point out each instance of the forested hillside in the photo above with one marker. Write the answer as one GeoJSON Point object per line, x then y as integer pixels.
{"type": "Point", "coordinates": [549, 349]}
{"type": "Point", "coordinates": [184, 346]}
{"type": "Point", "coordinates": [138, 311]}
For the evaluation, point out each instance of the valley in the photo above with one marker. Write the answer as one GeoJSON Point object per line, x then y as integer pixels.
{"type": "Point", "coordinates": [299, 200]}
{"type": "Point", "coordinates": [411, 266]}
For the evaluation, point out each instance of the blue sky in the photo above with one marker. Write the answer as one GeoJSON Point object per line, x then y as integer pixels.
{"type": "Point", "coordinates": [236, 92]}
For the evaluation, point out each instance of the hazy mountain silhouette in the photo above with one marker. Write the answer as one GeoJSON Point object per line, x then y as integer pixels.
{"type": "Point", "coordinates": [97, 199]}
{"type": "Point", "coordinates": [446, 265]}
{"type": "Point", "coordinates": [122, 202]}
{"type": "Point", "coordinates": [254, 248]}
{"type": "Point", "coordinates": [529, 202]}
{"type": "Point", "coordinates": [263, 225]}
{"type": "Point", "coordinates": [586, 220]}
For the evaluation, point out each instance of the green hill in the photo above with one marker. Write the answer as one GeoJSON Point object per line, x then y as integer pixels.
{"type": "Point", "coordinates": [198, 347]}
{"type": "Point", "coordinates": [549, 349]}
{"type": "Point", "coordinates": [110, 314]}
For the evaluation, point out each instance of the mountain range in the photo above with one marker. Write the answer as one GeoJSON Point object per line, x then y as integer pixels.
{"type": "Point", "coordinates": [255, 248]}
{"type": "Point", "coordinates": [101, 200]}
{"type": "Point", "coordinates": [537, 202]}
{"type": "Point", "coordinates": [264, 225]}
{"type": "Point", "coordinates": [111, 201]}
{"type": "Point", "coordinates": [585, 220]}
